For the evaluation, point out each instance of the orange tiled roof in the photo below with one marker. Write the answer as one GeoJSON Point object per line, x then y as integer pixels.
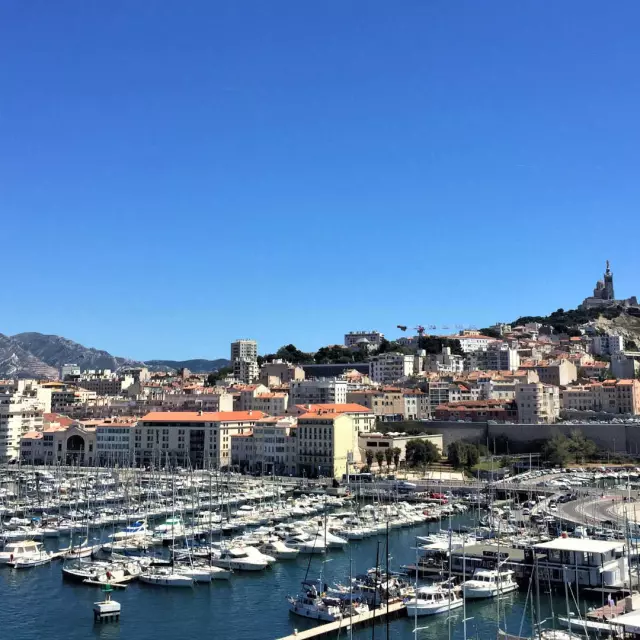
{"type": "Point", "coordinates": [204, 416]}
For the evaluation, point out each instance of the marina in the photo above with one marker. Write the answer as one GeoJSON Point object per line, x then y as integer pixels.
{"type": "Point", "coordinates": [229, 540]}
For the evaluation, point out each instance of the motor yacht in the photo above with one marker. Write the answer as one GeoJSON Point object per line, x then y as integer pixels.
{"type": "Point", "coordinates": [488, 583]}
{"type": "Point", "coordinates": [433, 599]}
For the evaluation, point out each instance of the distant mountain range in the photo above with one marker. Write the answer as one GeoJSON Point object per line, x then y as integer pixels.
{"type": "Point", "coordinates": [36, 355]}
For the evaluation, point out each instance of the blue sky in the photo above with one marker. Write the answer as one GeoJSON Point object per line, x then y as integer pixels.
{"type": "Point", "coordinates": [175, 175]}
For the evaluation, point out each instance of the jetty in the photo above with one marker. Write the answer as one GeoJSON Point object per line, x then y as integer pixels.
{"type": "Point", "coordinates": [395, 610]}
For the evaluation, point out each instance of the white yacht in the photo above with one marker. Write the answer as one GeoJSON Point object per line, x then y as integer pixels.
{"type": "Point", "coordinates": [23, 550]}
{"type": "Point", "coordinates": [171, 526]}
{"type": "Point", "coordinates": [488, 583]}
{"type": "Point", "coordinates": [433, 599]}
{"type": "Point", "coordinates": [306, 543]}
{"type": "Point", "coordinates": [278, 549]}
{"type": "Point", "coordinates": [241, 559]}
{"type": "Point", "coordinates": [310, 604]}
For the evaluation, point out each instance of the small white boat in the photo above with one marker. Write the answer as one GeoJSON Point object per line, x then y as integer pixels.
{"type": "Point", "coordinates": [34, 560]}
{"type": "Point", "coordinates": [488, 583]}
{"type": "Point", "coordinates": [431, 600]}
{"type": "Point", "coordinates": [166, 578]}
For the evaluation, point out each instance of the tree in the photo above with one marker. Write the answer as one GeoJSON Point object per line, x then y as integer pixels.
{"type": "Point", "coordinates": [556, 450]}
{"type": "Point", "coordinates": [292, 354]}
{"type": "Point", "coordinates": [630, 345]}
{"type": "Point", "coordinates": [369, 455]}
{"type": "Point", "coordinates": [580, 447]}
{"type": "Point", "coordinates": [463, 455]}
{"type": "Point", "coordinates": [335, 354]}
{"type": "Point", "coordinates": [223, 372]}
{"type": "Point", "coordinates": [379, 458]}
{"type": "Point", "coordinates": [397, 452]}
{"type": "Point", "coordinates": [420, 452]}
{"type": "Point", "coordinates": [388, 455]}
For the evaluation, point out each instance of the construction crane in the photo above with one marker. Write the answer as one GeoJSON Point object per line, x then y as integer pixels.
{"type": "Point", "coordinates": [420, 329]}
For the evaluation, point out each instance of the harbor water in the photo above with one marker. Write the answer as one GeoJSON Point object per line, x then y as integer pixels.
{"type": "Point", "coordinates": [38, 603]}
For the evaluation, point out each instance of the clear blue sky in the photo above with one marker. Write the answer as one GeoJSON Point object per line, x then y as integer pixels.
{"type": "Point", "coordinates": [175, 175]}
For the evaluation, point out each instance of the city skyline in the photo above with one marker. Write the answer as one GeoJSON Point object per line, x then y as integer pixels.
{"type": "Point", "coordinates": [174, 178]}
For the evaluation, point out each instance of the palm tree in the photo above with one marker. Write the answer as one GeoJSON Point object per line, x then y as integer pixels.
{"type": "Point", "coordinates": [388, 455]}
{"type": "Point", "coordinates": [379, 459]}
{"type": "Point", "coordinates": [369, 457]}
{"type": "Point", "coordinates": [397, 452]}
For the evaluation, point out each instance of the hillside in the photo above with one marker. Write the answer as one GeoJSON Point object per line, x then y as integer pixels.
{"type": "Point", "coordinates": [56, 351]}
{"type": "Point", "coordinates": [615, 320]}
{"type": "Point", "coordinates": [197, 365]}
{"type": "Point", "coordinates": [37, 355]}
{"type": "Point", "coordinates": [16, 362]}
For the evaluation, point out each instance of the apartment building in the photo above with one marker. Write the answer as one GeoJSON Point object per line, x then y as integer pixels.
{"type": "Point", "coordinates": [473, 341]}
{"type": "Point", "coordinates": [270, 448]}
{"type": "Point", "coordinates": [21, 411]}
{"type": "Point", "coordinates": [387, 368]}
{"type": "Point", "coordinates": [360, 338]}
{"type": "Point", "coordinates": [184, 437]}
{"type": "Point", "coordinates": [114, 441]}
{"type": "Point", "coordinates": [387, 404]}
{"type": "Point", "coordinates": [321, 391]}
{"type": "Point", "coordinates": [274, 404]}
{"type": "Point", "coordinates": [477, 411]}
{"type": "Point", "coordinates": [327, 444]}
{"type": "Point", "coordinates": [537, 403]}
{"type": "Point", "coordinates": [105, 384]}
{"type": "Point", "coordinates": [246, 394]}
{"type": "Point", "coordinates": [559, 373]}
{"type": "Point", "coordinates": [610, 396]}
{"type": "Point", "coordinates": [444, 362]}
{"type": "Point", "coordinates": [280, 372]}
{"type": "Point", "coordinates": [202, 400]}
{"type": "Point", "coordinates": [245, 370]}
{"type": "Point", "coordinates": [69, 399]}
{"type": "Point", "coordinates": [607, 345]}
{"type": "Point", "coordinates": [244, 349]}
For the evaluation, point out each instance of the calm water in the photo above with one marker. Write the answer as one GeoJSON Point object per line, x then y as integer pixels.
{"type": "Point", "coordinates": [37, 603]}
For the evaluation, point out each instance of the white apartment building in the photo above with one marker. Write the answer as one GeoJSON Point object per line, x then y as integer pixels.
{"type": "Point", "coordinates": [20, 412]}
{"type": "Point", "coordinates": [499, 356]}
{"type": "Point", "coordinates": [607, 345]}
{"type": "Point", "coordinates": [471, 341]}
{"type": "Point", "coordinates": [497, 389]}
{"type": "Point", "coordinates": [537, 403]}
{"type": "Point", "coordinates": [70, 370]}
{"type": "Point", "coordinates": [184, 437]}
{"type": "Point", "coordinates": [445, 362]}
{"type": "Point", "coordinates": [198, 401]}
{"type": "Point", "coordinates": [387, 368]}
{"type": "Point", "coordinates": [356, 338]}
{"type": "Point", "coordinates": [247, 349]}
{"type": "Point", "coordinates": [114, 442]}
{"type": "Point", "coordinates": [321, 391]}
{"type": "Point", "coordinates": [275, 445]}
{"type": "Point", "coordinates": [109, 385]}
{"type": "Point", "coordinates": [246, 370]}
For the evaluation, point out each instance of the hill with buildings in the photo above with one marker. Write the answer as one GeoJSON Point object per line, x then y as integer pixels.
{"type": "Point", "coordinates": [198, 365]}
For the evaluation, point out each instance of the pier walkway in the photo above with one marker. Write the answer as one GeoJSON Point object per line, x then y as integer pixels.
{"type": "Point", "coordinates": [396, 610]}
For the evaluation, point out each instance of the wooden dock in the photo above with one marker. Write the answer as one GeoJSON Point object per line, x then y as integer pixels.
{"type": "Point", "coordinates": [396, 610]}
